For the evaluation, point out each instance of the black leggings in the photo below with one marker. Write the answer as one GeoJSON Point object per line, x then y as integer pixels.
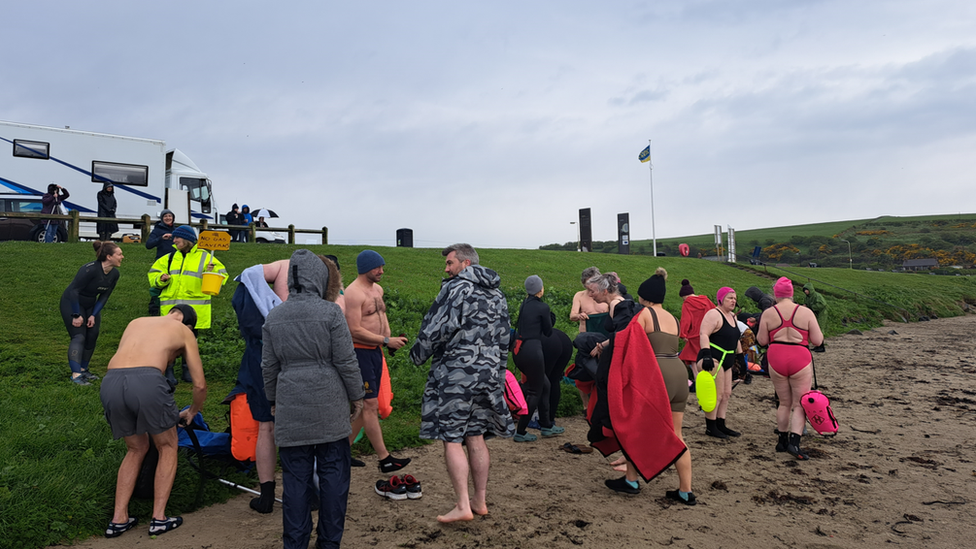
{"type": "Point", "coordinates": [83, 339]}
{"type": "Point", "coordinates": [558, 350]}
{"type": "Point", "coordinates": [531, 361]}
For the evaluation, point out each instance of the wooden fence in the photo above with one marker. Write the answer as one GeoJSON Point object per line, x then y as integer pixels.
{"type": "Point", "coordinates": [145, 225]}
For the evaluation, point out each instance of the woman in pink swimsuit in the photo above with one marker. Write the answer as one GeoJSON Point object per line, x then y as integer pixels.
{"type": "Point", "coordinates": [788, 329]}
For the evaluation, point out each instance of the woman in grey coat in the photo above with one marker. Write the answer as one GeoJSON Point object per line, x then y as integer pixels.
{"type": "Point", "coordinates": [311, 376]}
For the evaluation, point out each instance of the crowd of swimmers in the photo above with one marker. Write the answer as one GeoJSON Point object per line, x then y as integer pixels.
{"type": "Point", "coordinates": [634, 388]}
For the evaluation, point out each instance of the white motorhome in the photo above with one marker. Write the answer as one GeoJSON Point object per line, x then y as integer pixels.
{"type": "Point", "coordinates": [146, 176]}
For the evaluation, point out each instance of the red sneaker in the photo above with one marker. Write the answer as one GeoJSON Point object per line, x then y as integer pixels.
{"type": "Point", "coordinates": [413, 486]}
{"type": "Point", "coordinates": [392, 489]}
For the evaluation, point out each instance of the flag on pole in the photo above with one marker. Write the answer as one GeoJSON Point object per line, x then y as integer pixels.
{"type": "Point", "coordinates": [645, 155]}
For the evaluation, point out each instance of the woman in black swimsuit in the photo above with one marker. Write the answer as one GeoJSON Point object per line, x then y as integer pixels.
{"type": "Point", "coordinates": [719, 338]}
{"type": "Point", "coordinates": [81, 307]}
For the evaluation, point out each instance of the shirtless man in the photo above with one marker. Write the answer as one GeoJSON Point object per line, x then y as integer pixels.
{"type": "Point", "coordinates": [276, 274]}
{"type": "Point", "coordinates": [370, 329]}
{"type": "Point", "coordinates": [138, 403]}
{"type": "Point", "coordinates": [583, 307]}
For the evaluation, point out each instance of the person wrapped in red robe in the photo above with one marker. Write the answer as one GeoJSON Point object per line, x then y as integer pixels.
{"type": "Point", "coordinates": [693, 309]}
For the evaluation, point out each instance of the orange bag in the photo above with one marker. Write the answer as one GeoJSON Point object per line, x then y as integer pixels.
{"type": "Point", "coordinates": [243, 429]}
{"type": "Point", "coordinates": [385, 395]}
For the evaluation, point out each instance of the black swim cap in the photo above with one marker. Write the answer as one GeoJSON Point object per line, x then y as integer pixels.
{"type": "Point", "coordinates": [189, 315]}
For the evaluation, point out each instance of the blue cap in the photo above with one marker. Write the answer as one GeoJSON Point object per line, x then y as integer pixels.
{"type": "Point", "coordinates": [185, 232]}
{"type": "Point", "coordinates": [367, 261]}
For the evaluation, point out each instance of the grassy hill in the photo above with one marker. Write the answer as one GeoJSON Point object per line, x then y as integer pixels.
{"type": "Point", "coordinates": [58, 460]}
{"type": "Point", "coordinates": [879, 243]}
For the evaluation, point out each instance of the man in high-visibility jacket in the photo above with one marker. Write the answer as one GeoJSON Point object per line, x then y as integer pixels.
{"type": "Point", "coordinates": [180, 277]}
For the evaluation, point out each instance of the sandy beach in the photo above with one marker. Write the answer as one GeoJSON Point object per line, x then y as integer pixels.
{"type": "Point", "coordinates": [899, 473]}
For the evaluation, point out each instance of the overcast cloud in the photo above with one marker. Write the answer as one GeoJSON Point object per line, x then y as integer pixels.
{"type": "Point", "coordinates": [494, 122]}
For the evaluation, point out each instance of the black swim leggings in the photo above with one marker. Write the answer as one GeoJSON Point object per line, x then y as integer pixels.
{"type": "Point", "coordinates": [83, 339]}
{"type": "Point", "coordinates": [531, 361]}
{"type": "Point", "coordinates": [558, 350]}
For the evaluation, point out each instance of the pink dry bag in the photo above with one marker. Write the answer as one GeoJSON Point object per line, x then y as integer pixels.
{"type": "Point", "coordinates": [821, 417]}
{"type": "Point", "coordinates": [514, 396]}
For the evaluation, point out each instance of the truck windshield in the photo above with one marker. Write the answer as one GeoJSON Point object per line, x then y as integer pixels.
{"type": "Point", "coordinates": [199, 190]}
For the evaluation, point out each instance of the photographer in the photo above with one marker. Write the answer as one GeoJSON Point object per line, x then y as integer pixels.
{"type": "Point", "coordinates": [50, 204]}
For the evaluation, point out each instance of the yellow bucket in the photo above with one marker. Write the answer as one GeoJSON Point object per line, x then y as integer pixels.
{"type": "Point", "coordinates": [211, 283]}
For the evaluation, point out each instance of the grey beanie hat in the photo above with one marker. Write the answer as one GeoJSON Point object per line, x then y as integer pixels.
{"type": "Point", "coordinates": [533, 285]}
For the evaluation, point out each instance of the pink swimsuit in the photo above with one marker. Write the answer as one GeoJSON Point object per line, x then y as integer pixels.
{"type": "Point", "coordinates": [788, 358]}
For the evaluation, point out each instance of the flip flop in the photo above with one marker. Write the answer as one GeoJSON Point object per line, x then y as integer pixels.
{"type": "Point", "coordinates": [116, 529]}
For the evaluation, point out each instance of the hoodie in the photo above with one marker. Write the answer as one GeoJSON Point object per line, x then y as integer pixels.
{"type": "Point", "coordinates": [763, 300]}
{"type": "Point", "coordinates": [310, 369]}
{"type": "Point", "coordinates": [156, 240]}
{"type": "Point", "coordinates": [466, 335]}
{"type": "Point", "coordinates": [814, 301]}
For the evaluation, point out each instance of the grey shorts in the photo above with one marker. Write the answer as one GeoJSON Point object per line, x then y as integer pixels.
{"type": "Point", "coordinates": [138, 400]}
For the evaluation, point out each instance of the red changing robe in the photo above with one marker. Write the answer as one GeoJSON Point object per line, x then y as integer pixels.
{"type": "Point", "coordinates": [640, 410]}
{"type": "Point", "coordinates": [693, 311]}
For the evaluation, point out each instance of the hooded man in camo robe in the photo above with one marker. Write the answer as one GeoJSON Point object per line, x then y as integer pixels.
{"type": "Point", "coordinates": [466, 333]}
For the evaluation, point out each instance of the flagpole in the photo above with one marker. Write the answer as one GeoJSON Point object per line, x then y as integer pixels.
{"type": "Point", "coordinates": [650, 171]}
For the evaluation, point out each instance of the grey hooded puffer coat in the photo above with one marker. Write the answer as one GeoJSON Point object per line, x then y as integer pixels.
{"type": "Point", "coordinates": [310, 369]}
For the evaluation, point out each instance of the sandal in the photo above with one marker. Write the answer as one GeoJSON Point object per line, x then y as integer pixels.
{"type": "Point", "coordinates": [165, 525]}
{"type": "Point", "coordinates": [574, 449]}
{"type": "Point", "coordinates": [116, 529]}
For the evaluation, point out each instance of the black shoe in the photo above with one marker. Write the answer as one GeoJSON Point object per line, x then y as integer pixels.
{"type": "Point", "coordinates": [264, 503]}
{"type": "Point", "coordinates": [712, 430]}
{"type": "Point", "coordinates": [116, 529]}
{"type": "Point", "coordinates": [390, 464]}
{"type": "Point", "coordinates": [676, 496]}
{"type": "Point", "coordinates": [391, 489]}
{"type": "Point", "coordinates": [818, 349]}
{"type": "Point", "coordinates": [794, 448]}
{"type": "Point", "coordinates": [720, 423]}
{"type": "Point", "coordinates": [157, 527]}
{"type": "Point", "coordinates": [353, 462]}
{"type": "Point", "coordinates": [621, 485]}
{"type": "Point", "coordinates": [783, 442]}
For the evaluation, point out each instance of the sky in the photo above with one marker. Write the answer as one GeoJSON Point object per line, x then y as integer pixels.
{"type": "Point", "coordinates": [493, 123]}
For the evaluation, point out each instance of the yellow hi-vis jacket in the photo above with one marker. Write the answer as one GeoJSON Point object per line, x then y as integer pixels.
{"type": "Point", "coordinates": [184, 284]}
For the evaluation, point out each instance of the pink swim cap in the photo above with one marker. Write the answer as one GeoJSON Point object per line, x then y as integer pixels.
{"type": "Point", "coordinates": [722, 292]}
{"type": "Point", "coordinates": [783, 288]}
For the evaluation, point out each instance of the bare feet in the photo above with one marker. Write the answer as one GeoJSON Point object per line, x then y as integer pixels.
{"type": "Point", "coordinates": [456, 515]}
{"type": "Point", "coordinates": [480, 510]}
{"type": "Point", "coordinates": [619, 464]}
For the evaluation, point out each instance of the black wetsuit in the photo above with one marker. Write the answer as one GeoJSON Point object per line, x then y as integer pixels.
{"type": "Point", "coordinates": [85, 296]}
{"type": "Point", "coordinates": [558, 351]}
{"type": "Point", "coordinates": [534, 324]}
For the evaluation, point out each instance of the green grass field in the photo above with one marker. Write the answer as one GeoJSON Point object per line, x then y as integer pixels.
{"type": "Point", "coordinates": [58, 460]}
{"type": "Point", "coordinates": [879, 243]}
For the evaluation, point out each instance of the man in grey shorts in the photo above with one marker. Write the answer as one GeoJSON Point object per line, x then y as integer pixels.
{"type": "Point", "coordinates": [138, 404]}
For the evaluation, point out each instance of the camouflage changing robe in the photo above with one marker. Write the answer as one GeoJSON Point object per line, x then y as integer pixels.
{"type": "Point", "coordinates": [466, 333]}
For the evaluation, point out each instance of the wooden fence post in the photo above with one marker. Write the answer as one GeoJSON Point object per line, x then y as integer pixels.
{"type": "Point", "coordinates": [291, 234]}
{"type": "Point", "coordinates": [146, 227]}
{"type": "Point", "coordinates": [74, 226]}
{"type": "Point", "coordinates": [325, 235]}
